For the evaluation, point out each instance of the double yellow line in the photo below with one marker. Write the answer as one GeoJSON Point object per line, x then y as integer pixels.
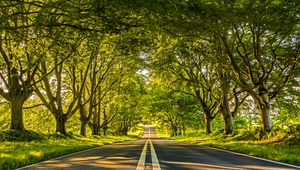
{"type": "Point", "coordinates": [155, 163]}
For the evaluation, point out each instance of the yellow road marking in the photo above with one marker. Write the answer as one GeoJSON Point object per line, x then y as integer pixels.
{"type": "Point", "coordinates": [141, 164]}
{"type": "Point", "coordinates": [148, 132]}
{"type": "Point", "coordinates": [155, 163]}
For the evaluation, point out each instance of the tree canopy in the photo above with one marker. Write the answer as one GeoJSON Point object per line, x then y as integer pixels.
{"type": "Point", "coordinates": [108, 66]}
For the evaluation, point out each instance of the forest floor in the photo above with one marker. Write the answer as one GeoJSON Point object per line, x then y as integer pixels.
{"type": "Point", "coordinates": [278, 147]}
{"type": "Point", "coordinates": [17, 150]}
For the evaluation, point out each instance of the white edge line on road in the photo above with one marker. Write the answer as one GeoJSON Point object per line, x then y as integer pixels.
{"type": "Point", "coordinates": [141, 163]}
{"type": "Point", "coordinates": [71, 154]}
{"type": "Point", "coordinates": [155, 162]}
{"type": "Point", "coordinates": [254, 157]}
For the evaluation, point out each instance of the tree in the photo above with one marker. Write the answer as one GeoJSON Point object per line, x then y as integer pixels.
{"type": "Point", "coordinates": [174, 110]}
{"type": "Point", "coordinates": [125, 109]}
{"type": "Point", "coordinates": [188, 63]}
{"type": "Point", "coordinates": [262, 55]}
{"type": "Point", "coordinates": [61, 90]}
{"type": "Point", "coordinates": [258, 38]}
{"type": "Point", "coordinates": [21, 55]}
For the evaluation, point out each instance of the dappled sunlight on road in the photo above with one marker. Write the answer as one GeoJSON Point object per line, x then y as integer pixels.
{"type": "Point", "coordinates": [118, 156]}
{"type": "Point", "coordinates": [89, 162]}
{"type": "Point", "coordinates": [153, 153]}
{"type": "Point", "coordinates": [194, 166]}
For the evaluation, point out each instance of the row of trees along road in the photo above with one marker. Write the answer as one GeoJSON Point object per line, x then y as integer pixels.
{"type": "Point", "coordinates": [84, 57]}
{"type": "Point", "coordinates": [222, 52]}
{"type": "Point", "coordinates": [69, 55]}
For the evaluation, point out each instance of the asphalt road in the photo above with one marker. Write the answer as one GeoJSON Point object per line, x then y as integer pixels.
{"type": "Point", "coordinates": [152, 153]}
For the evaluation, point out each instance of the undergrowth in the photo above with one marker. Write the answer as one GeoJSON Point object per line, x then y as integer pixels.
{"type": "Point", "coordinates": [15, 135]}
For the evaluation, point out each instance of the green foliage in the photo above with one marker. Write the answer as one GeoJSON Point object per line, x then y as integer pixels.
{"type": "Point", "coordinates": [66, 56]}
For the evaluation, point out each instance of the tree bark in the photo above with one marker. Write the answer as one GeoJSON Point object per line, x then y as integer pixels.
{"type": "Point", "coordinates": [61, 121]}
{"type": "Point", "coordinates": [16, 105]}
{"type": "Point", "coordinates": [224, 104]}
{"type": "Point", "coordinates": [208, 127]}
{"type": "Point", "coordinates": [105, 130]}
{"type": "Point", "coordinates": [95, 129]}
{"type": "Point", "coordinates": [265, 119]}
{"type": "Point", "coordinates": [227, 116]}
{"type": "Point", "coordinates": [95, 122]}
{"type": "Point", "coordinates": [83, 127]}
{"type": "Point", "coordinates": [96, 118]}
{"type": "Point", "coordinates": [263, 105]}
{"type": "Point", "coordinates": [228, 120]}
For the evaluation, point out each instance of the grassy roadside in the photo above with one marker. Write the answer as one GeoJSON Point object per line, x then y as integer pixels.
{"type": "Point", "coordinates": [283, 149]}
{"type": "Point", "coordinates": [14, 154]}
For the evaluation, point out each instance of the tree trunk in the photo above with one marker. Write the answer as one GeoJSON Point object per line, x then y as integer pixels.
{"type": "Point", "coordinates": [265, 120]}
{"type": "Point", "coordinates": [61, 124]}
{"type": "Point", "coordinates": [174, 130]}
{"type": "Point", "coordinates": [227, 117]}
{"type": "Point", "coordinates": [208, 123]}
{"type": "Point", "coordinates": [95, 130]}
{"type": "Point", "coordinates": [96, 123]}
{"type": "Point", "coordinates": [83, 127]}
{"type": "Point", "coordinates": [105, 130]}
{"type": "Point", "coordinates": [183, 130]}
{"type": "Point", "coordinates": [124, 132]}
{"type": "Point", "coordinates": [224, 106]}
{"type": "Point", "coordinates": [16, 105]}
{"type": "Point", "coordinates": [96, 116]}
{"type": "Point", "coordinates": [228, 123]}
{"type": "Point", "coordinates": [263, 105]}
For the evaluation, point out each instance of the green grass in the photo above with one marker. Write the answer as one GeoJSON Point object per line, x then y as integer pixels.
{"type": "Point", "coordinates": [278, 147]}
{"type": "Point", "coordinates": [14, 154]}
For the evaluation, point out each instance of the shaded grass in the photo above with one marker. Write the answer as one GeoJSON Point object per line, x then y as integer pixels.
{"type": "Point", "coordinates": [14, 154]}
{"type": "Point", "coordinates": [279, 147]}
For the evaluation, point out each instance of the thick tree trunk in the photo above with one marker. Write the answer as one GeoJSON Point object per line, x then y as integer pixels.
{"type": "Point", "coordinates": [16, 105]}
{"type": "Point", "coordinates": [228, 123]}
{"type": "Point", "coordinates": [96, 121]}
{"type": "Point", "coordinates": [61, 124]}
{"type": "Point", "coordinates": [96, 124]}
{"type": "Point", "coordinates": [265, 119]}
{"type": "Point", "coordinates": [105, 130]}
{"type": "Point", "coordinates": [208, 127]}
{"type": "Point", "coordinates": [224, 106]}
{"type": "Point", "coordinates": [263, 105]}
{"type": "Point", "coordinates": [83, 127]}
{"type": "Point", "coordinates": [227, 117]}
{"type": "Point", "coordinates": [95, 129]}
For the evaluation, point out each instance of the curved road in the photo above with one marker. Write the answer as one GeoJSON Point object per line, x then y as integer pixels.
{"type": "Point", "coordinates": [156, 154]}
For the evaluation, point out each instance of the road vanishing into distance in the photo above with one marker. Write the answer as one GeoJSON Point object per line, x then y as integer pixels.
{"type": "Point", "coordinates": [153, 153]}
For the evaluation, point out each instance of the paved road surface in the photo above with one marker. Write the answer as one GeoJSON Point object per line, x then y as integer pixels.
{"type": "Point", "coordinates": [151, 153]}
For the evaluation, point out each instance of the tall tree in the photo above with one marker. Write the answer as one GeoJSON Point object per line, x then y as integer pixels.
{"type": "Point", "coordinates": [188, 63]}
{"type": "Point", "coordinates": [61, 90]}
{"type": "Point", "coordinates": [21, 55]}
{"type": "Point", "coordinates": [262, 54]}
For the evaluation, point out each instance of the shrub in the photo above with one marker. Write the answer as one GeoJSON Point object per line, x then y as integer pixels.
{"type": "Point", "coordinates": [15, 135]}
